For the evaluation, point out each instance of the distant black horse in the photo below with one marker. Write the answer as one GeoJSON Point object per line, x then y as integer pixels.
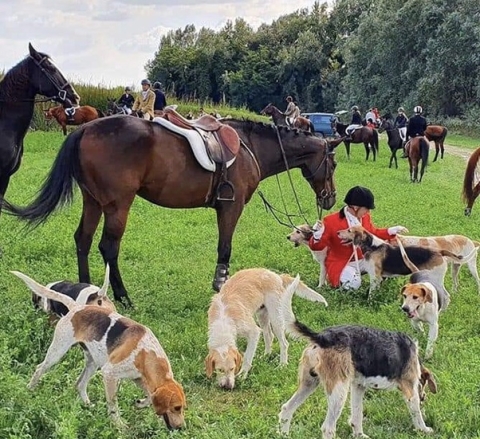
{"type": "Point", "coordinates": [367, 136]}
{"type": "Point", "coordinates": [36, 74]}
{"type": "Point", "coordinates": [395, 142]}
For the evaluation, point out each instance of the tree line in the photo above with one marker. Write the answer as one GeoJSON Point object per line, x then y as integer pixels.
{"type": "Point", "coordinates": [383, 53]}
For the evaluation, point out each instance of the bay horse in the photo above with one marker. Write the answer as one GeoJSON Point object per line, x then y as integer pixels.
{"type": "Point", "coordinates": [394, 141]}
{"type": "Point", "coordinates": [417, 151]}
{"type": "Point", "coordinates": [367, 136]}
{"type": "Point", "coordinates": [82, 115]}
{"type": "Point", "coordinates": [279, 119]}
{"type": "Point", "coordinates": [36, 74]}
{"type": "Point", "coordinates": [437, 134]}
{"type": "Point", "coordinates": [471, 181]}
{"type": "Point", "coordinates": [159, 166]}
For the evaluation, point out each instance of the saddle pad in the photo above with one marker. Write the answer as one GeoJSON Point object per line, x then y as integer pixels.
{"type": "Point", "coordinates": [196, 143]}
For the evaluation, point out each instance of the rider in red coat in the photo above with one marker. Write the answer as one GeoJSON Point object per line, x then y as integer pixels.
{"type": "Point", "coordinates": [341, 266]}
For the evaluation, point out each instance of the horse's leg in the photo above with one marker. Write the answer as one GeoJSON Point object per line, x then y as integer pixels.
{"type": "Point", "coordinates": [64, 128]}
{"type": "Point", "coordinates": [115, 215]}
{"type": "Point", "coordinates": [347, 147]}
{"type": "Point", "coordinates": [227, 218]}
{"type": "Point", "coordinates": [91, 214]}
{"type": "Point", "coordinates": [442, 149]}
{"type": "Point", "coordinates": [4, 180]}
{"type": "Point", "coordinates": [395, 158]}
{"type": "Point", "coordinates": [422, 170]}
{"type": "Point", "coordinates": [392, 155]}
{"type": "Point", "coordinates": [437, 150]}
{"type": "Point", "coordinates": [374, 151]}
{"type": "Point", "coordinates": [367, 150]}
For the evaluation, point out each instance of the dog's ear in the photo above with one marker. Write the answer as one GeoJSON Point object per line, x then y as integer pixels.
{"type": "Point", "coordinates": [209, 365]}
{"type": "Point", "coordinates": [427, 295]}
{"type": "Point", "coordinates": [167, 397]}
{"type": "Point", "coordinates": [427, 377]}
{"type": "Point", "coordinates": [403, 289]}
{"type": "Point", "coordinates": [238, 361]}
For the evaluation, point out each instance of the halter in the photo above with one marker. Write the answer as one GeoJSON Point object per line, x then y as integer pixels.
{"type": "Point", "coordinates": [322, 196]}
{"type": "Point", "coordinates": [62, 94]}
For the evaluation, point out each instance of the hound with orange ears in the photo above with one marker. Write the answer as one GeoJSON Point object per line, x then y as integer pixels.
{"type": "Point", "coordinates": [120, 348]}
{"type": "Point", "coordinates": [248, 293]}
{"type": "Point", "coordinates": [423, 300]}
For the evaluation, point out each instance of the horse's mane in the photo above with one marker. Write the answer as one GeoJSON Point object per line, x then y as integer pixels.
{"type": "Point", "coordinates": [469, 175]}
{"type": "Point", "coordinates": [262, 127]}
{"type": "Point", "coordinates": [16, 78]}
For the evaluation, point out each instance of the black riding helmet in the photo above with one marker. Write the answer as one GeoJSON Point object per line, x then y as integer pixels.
{"type": "Point", "coordinates": [360, 196]}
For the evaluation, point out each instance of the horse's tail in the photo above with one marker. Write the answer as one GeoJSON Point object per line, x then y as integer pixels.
{"type": "Point", "coordinates": [100, 113]}
{"type": "Point", "coordinates": [424, 149]}
{"type": "Point", "coordinates": [468, 180]}
{"type": "Point", "coordinates": [312, 127]}
{"type": "Point", "coordinates": [444, 134]}
{"type": "Point", "coordinates": [57, 188]}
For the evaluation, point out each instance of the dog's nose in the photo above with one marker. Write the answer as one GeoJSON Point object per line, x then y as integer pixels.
{"type": "Point", "coordinates": [405, 309]}
{"type": "Point", "coordinates": [288, 237]}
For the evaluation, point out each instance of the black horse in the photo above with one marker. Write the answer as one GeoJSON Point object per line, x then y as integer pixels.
{"type": "Point", "coordinates": [395, 142]}
{"type": "Point", "coordinates": [36, 74]}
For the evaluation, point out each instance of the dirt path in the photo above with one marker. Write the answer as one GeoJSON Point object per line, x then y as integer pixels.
{"type": "Point", "coordinates": [458, 151]}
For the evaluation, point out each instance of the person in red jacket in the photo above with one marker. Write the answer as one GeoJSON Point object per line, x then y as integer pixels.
{"type": "Point", "coordinates": [342, 267]}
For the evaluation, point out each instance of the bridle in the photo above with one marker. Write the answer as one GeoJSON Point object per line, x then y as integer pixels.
{"type": "Point", "coordinates": [324, 194]}
{"type": "Point", "coordinates": [62, 94]}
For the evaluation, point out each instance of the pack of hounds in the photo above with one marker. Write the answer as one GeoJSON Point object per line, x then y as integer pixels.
{"type": "Point", "coordinates": [258, 302]}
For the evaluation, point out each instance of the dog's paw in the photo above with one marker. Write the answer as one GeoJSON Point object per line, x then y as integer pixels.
{"type": "Point", "coordinates": [428, 430]}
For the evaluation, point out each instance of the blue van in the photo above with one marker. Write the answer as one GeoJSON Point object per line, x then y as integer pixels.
{"type": "Point", "coordinates": [322, 123]}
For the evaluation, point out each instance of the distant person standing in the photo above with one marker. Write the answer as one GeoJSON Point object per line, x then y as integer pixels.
{"type": "Point", "coordinates": [145, 101]}
{"type": "Point", "coordinates": [160, 100]}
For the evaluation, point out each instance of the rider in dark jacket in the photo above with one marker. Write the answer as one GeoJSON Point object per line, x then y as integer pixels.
{"type": "Point", "coordinates": [160, 100]}
{"type": "Point", "coordinates": [356, 116]}
{"type": "Point", "coordinates": [126, 100]}
{"type": "Point", "coordinates": [417, 125]}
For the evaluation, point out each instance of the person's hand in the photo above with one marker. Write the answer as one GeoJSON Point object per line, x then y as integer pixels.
{"type": "Point", "coordinates": [318, 230]}
{"type": "Point", "coordinates": [397, 229]}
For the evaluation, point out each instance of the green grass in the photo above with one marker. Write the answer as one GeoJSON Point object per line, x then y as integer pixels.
{"type": "Point", "coordinates": [167, 261]}
{"type": "Point", "coordinates": [462, 141]}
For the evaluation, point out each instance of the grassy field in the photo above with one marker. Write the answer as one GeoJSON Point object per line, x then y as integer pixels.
{"type": "Point", "coordinates": [168, 259]}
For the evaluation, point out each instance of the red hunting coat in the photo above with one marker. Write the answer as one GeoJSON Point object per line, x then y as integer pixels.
{"type": "Point", "coordinates": [338, 255]}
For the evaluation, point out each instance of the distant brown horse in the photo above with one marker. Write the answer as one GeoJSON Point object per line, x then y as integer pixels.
{"type": "Point", "coordinates": [437, 134]}
{"type": "Point", "coordinates": [279, 119]}
{"type": "Point", "coordinates": [116, 158]}
{"type": "Point", "coordinates": [367, 136]}
{"type": "Point", "coordinates": [418, 149]}
{"type": "Point", "coordinates": [82, 115]}
{"type": "Point", "coordinates": [471, 181]}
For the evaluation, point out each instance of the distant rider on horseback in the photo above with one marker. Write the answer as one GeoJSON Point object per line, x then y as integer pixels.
{"type": "Point", "coordinates": [354, 124]}
{"type": "Point", "coordinates": [417, 125]}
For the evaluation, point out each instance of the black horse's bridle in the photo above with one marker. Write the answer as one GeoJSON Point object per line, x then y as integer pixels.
{"type": "Point", "coordinates": [62, 93]}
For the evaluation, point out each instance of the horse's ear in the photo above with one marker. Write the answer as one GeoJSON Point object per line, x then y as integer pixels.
{"type": "Point", "coordinates": [32, 51]}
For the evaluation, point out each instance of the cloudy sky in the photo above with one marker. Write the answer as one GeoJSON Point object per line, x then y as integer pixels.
{"type": "Point", "coordinates": [109, 41]}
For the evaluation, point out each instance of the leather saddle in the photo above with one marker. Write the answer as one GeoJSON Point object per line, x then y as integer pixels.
{"type": "Point", "coordinates": [222, 141]}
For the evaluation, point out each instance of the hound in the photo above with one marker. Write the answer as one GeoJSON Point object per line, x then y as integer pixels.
{"type": "Point", "coordinates": [120, 348]}
{"type": "Point", "coordinates": [248, 293]}
{"type": "Point", "coordinates": [385, 260]}
{"type": "Point", "coordinates": [357, 358]}
{"type": "Point", "coordinates": [457, 244]}
{"type": "Point", "coordinates": [301, 236]}
{"type": "Point", "coordinates": [82, 293]}
{"type": "Point", "coordinates": [424, 299]}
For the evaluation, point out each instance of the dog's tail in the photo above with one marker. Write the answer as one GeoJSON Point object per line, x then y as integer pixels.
{"type": "Point", "coordinates": [325, 339]}
{"type": "Point", "coordinates": [42, 291]}
{"type": "Point", "coordinates": [456, 258]}
{"type": "Point", "coordinates": [286, 301]}
{"type": "Point", "coordinates": [101, 293]}
{"type": "Point", "coordinates": [303, 291]}
{"type": "Point", "coordinates": [413, 268]}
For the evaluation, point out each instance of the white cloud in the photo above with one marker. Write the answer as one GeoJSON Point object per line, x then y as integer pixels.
{"type": "Point", "coordinates": [109, 41]}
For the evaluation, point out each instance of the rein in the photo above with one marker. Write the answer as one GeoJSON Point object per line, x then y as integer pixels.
{"type": "Point", "coordinates": [323, 195]}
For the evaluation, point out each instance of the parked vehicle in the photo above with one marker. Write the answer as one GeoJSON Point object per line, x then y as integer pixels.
{"type": "Point", "coordinates": [322, 123]}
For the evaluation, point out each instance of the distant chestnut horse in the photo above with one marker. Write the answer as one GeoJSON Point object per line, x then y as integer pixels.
{"type": "Point", "coordinates": [471, 181]}
{"type": "Point", "coordinates": [417, 151]}
{"type": "Point", "coordinates": [279, 119]}
{"type": "Point", "coordinates": [367, 136]}
{"type": "Point", "coordinates": [116, 158]}
{"type": "Point", "coordinates": [437, 134]}
{"type": "Point", "coordinates": [82, 115]}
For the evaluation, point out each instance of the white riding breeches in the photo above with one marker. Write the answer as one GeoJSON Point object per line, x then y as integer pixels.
{"type": "Point", "coordinates": [351, 128]}
{"type": "Point", "coordinates": [351, 277]}
{"type": "Point", "coordinates": [403, 133]}
{"type": "Point", "coordinates": [127, 110]}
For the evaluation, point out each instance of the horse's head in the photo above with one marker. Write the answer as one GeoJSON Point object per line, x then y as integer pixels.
{"type": "Point", "coordinates": [333, 124]}
{"type": "Point", "coordinates": [268, 110]}
{"type": "Point", "coordinates": [319, 168]}
{"type": "Point", "coordinates": [48, 80]}
{"type": "Point", "coordinates": [385, 125]}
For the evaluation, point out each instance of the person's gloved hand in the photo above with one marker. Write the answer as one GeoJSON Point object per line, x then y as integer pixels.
{"type": "Point", "coordinates": [397, 229]}
{"type": "Point", "coordinates": [318, 230]}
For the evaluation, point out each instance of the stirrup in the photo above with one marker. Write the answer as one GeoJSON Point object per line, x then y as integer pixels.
{"type": "Point", "coordinates": [230, 196]}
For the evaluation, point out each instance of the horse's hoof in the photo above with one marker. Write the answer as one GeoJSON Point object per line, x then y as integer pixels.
{"type": "Point", "coordinates": [221, 276]}
{"type": "Point", "coordinates": [125, 302]}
